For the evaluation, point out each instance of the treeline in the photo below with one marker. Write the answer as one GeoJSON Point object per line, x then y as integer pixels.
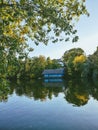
{"type": "Point", "coordinates": [25, 67]}
{"type": "Point", "coordinates": [75, 62]}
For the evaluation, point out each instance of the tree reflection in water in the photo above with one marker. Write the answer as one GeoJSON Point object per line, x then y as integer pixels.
{"type": "Point", "coordinates": [37, 89]}
{"type": "Point", "coordinates": [5, 90]}
{"type": "Point", "coordinates": [77, 92]}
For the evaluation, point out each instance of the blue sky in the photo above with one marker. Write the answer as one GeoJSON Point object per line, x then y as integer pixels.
{"type": "Point", "coordinates": [88, 36]}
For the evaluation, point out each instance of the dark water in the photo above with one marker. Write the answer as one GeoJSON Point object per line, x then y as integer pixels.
{"type": "Point", "coordinates": [49, 105]}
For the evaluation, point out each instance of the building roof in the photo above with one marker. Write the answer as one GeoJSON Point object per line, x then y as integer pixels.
{"type": "Point", "coordinates": [53, 71]}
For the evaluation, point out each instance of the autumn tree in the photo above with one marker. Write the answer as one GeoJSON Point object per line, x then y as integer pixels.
{"type": "Point", "coordinates": [79, 63]}
{"type": "Point", "coordinates": [73, 60]}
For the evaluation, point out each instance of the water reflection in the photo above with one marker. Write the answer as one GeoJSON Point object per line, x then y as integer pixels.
{"type": "Point", "coordinates": [5, 90]}
{"type": "Point", "coordinates": [57, 80]}
{"type": "Point", "coordinates": [77, 92]}
{"type": "Point", "coordinates": [37, 89]}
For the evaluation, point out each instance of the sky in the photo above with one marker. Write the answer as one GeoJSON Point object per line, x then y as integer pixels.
{"type": "Point", "coordinates": [87, 31]}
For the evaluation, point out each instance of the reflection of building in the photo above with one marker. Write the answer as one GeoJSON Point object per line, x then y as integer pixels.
{"type": "Point", "coordinates": [53, 73]}
{"type": "Point", "coordinates": [54, 83]}
{"type": "Point", "coordinates": [47, 80]}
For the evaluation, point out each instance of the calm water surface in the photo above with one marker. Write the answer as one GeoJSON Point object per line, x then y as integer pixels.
{"type": "Point", "coordinates": [48, 105]}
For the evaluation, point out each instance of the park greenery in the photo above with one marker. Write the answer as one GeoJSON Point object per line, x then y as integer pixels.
{"type": "Point", "coordinates": [75, 62]}
{"type": "Point", "coordinates": [21, 20]}
{"type": "Point", "coordinates": [31, 68]}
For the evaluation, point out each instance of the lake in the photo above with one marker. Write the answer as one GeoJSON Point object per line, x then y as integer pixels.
{"type": "Point", "coordinates": [49, 105]}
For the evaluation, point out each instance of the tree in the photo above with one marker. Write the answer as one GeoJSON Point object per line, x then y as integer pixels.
{"type": "Point", "coordinates": [35, 19]}
{"type": "Point", "coordinates": [37, 66]}
{"type": "Point", "coordinates": [79, 63]}
{"type": "Point", "coordinates": [52, 64]}
{"type": "Point", "coordinates": [73, 59]}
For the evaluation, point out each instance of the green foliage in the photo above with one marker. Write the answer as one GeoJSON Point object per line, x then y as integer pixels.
{"type": "Point", "coordinates": [94, 63]}
{"type": "Point", "coordinates": [25, 67]}
{"type": "Point", "coordinates": [37, 18]}
{"type": "Point", "coordinates": [34, 19]}
{"type": "Point", "coordinates": [52, 64]}
{"type": "Point", "coordinates": [87, 69]}
{"type": "Point", "coordinates": [38, 65]}
{"type": "Point", "coordinates": [70, 59]}
{"type": "Point", "coordinates": [79, 65]}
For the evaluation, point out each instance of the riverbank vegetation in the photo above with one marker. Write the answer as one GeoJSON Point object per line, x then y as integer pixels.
{"type": "Point", "coordinates": [75, 62]}
{"type": "Point", "coordinates": [31, 68]}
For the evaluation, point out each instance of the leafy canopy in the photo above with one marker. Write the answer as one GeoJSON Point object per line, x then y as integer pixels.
{"type": "Point", "coordinates": [40, 20]}
{"type": "Point", "coordinates": [37, 18]}
{"type": "Point", "coordinates": [73, 59]}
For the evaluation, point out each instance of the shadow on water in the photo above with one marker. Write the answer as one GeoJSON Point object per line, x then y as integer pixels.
{"type": "Point", "coordinates": [77, 92]}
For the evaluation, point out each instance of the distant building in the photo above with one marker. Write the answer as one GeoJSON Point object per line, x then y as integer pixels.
{"type": "Point", "coordinates": [53, 73]}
